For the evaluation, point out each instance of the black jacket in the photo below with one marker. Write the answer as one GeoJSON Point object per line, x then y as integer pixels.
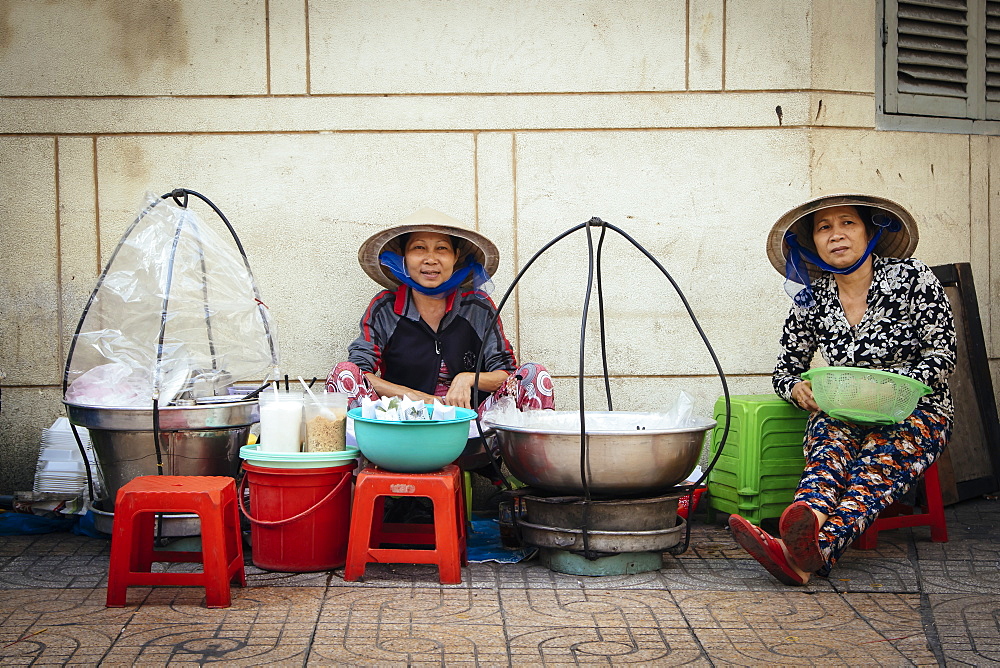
{"type": "Point", "coordinates": [399, 346]}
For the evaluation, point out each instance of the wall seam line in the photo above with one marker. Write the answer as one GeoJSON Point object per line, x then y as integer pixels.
{"type": "Point", "coordinates": [725, 9]}
{"type": "Point", "coordinates": [475, 178]}
{"type": "Point", "coordinates": [514, 245]}
{"type": "Point", "coordinates": [687, 45]}
{"type": "Point", "coordinates": [97, 206]}
{"type": "Point", "coordinates": [308, 67]}
{"type": "Point", "coordinates": [60, 307]}
{"type": "Point", "coordinates": [267, 46]}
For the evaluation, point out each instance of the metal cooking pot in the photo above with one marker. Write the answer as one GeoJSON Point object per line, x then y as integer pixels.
{"type": "Point", "coordinates": [194, 440]}
{"type": "Point", "coordinates": [623, 460]}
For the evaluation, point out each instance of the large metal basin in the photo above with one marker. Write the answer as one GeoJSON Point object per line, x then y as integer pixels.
{"type": "Point", "coordinates": [194, 440]}
{"type": "Point", "coordinates": [622, 460]}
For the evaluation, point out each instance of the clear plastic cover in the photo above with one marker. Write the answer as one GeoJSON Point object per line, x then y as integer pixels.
{"type": "Point", "coordinates": [176, 315]}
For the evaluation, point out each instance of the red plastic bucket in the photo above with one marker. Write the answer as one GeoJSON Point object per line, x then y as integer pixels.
{"type": "Point", "coordinates": [300, 518]}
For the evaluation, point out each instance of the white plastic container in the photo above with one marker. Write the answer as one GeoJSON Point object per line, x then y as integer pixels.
{"type": "Point", "coordinates": [280, 421]}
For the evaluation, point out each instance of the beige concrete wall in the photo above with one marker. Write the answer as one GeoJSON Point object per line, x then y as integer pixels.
{"type": "Point", "coordinates": [313, 124]}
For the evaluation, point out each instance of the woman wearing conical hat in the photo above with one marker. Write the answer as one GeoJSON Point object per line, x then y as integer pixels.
{"type": "Point", "coordinates": [860, 301]}
{"type": "Point", "coordinates": [421, 336]}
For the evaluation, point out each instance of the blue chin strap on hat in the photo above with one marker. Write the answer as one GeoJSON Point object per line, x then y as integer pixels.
{"type": "Point", "coordinates": [797, 283]}
{"type": "Point", "coordinates": [396, 265]}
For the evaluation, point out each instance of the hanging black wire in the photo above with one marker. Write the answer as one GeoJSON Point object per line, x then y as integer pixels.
{"type": "Point", "coordinates": [204, 300]}
{"type": "Point", "coordinates": [158, 369]}
{"type": "Point", "coordinates": [600, 313]}
{"type": "Point", "coordinates": [583, 440]}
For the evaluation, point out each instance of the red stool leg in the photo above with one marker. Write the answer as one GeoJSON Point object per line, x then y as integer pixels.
{"type": "Point", "coordinates": [123, 552]}
{"type": "Point", "coordinates": [234, 543]}
{"type": "Point", "coordinates": [932, 515]}
{"type": "Point", "coordinates": [460, 522]}
{"type": "Point", "coordinates": [869, 539]}
{"type": "Point", "coordinates": [378, 519]}
{"type": "Point", "coordinates": [935, 505]}
{"type": "Point", "coordinates": [448, 527]}
{"type": "Point", "coordinates": [360, 534]}
{"type": "Point", "coordinates": [215, 562]}
{"type": "Point", "coordinates": [142, 537]}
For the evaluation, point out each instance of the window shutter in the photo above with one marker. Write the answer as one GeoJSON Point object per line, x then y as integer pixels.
{"type": "Point", "coordinates": [928, 62]}
{"type": "Point", "coordinates": [993, 59]}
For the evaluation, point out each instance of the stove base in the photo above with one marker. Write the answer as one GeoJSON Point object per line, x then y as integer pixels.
{"type": "Point", "coordinates": [628, 563]}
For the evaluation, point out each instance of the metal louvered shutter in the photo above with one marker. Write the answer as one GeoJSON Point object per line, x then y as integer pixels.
{"type": "Point", "coordinates": [931, 57]}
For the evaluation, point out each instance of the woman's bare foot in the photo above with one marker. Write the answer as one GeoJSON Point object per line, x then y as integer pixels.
{"type": "Point", "coordinates": [791, 562]}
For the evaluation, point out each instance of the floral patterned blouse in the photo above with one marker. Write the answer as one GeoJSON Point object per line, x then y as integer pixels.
{"type": "Point", "coordinates": [908, 328]}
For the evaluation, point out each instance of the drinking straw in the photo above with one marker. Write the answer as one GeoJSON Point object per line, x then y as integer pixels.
{"type": "Point", "coordinates": [253, 395]}
{"type": "Point", "coordinates": [323, 408]}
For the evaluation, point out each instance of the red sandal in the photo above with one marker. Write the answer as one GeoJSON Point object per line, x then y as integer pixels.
{"type": "Point", "coordinates": [800, 532]}
{"type": "Point", "coordinates": [766, 550]}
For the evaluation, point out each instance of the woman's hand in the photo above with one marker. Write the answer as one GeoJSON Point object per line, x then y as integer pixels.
{"type": "Point", "coordinates": [460, 391]}
{"type": "Point", "coordinates": [802, 394]}
{"type": "Point", "coordinates": [386, 389]}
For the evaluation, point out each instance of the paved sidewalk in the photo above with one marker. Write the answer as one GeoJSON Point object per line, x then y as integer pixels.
{"type": "Point", "coordinates": [912, 602]}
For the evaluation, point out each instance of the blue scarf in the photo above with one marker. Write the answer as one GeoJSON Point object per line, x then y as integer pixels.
{"type": "Point", "coordinates": [396, 265]}
{"type": "Point", "coordinates": [797, 283]}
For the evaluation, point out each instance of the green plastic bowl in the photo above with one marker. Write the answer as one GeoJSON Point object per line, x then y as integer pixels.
{"type": "Point", "coordinates": [865, 396]}
{"type": "Point", "coordinates": [297, 460]}
{"type": "Point", "coordinates": [416, 446]}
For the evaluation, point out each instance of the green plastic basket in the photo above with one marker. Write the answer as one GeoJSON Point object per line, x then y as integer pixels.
{"type": "Point", "coordinates": [865, 396]}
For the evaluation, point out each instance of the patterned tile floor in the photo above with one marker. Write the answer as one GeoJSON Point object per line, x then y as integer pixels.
{"type": "Point", "coordinates": [911, 602]}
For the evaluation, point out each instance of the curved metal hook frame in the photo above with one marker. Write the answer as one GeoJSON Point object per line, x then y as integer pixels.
{"type": "Point", "coordinates": [595, 263]}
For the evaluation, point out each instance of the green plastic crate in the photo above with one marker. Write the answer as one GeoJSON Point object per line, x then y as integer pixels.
{"type": "Point", "coordinates": [760, 467]}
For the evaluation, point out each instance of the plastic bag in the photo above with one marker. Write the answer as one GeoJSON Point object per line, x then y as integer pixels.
{"type": "Point", "coordinates": [677, 415]}
{"type": "Point", "coordinates": [175, 314]}
{"type": "Point", "coordinates": [25, 524]}
{"type": "Point", "coordinates": [109, 385]}
{"type": "Point", "coordinates": [503, 411]}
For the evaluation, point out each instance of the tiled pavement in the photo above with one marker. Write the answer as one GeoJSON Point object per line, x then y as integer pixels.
{"type": "Point", "coordinates": [912, 602]}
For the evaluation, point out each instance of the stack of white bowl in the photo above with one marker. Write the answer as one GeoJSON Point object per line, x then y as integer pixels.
{"type": "Point", "coordinates": [60, 469]}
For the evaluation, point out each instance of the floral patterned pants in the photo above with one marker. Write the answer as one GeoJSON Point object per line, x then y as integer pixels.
{"type": "Point", "coordinates": [530, 385]}
{"type": "Point", "coordinates": [853, 472]}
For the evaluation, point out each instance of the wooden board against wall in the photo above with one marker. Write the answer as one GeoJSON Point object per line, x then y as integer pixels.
{"type": "Point", "coordinates": [970, 466]}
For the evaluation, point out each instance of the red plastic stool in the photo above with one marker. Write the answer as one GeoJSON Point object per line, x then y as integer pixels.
{"type": "Point", "coordinates": [368, 531]}
{"type": "Point", "coordinates": [213, 498]}
{"type": "Point", "coordinates": [900, 515]}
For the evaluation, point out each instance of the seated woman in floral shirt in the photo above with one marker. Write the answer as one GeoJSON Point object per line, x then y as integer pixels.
{"type": "Point", "coordinates": [861, 302]}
